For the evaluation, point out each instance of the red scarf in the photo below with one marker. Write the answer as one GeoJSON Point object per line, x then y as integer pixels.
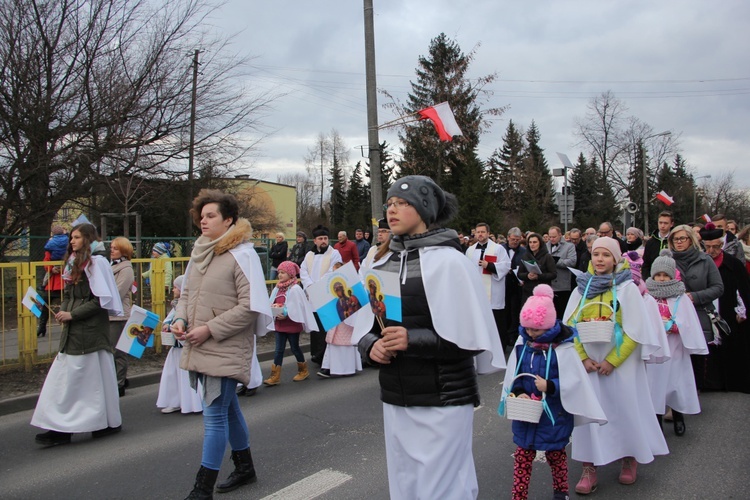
{"type": "Point", "coordinates": [283, 286]}
{"type": "Point", "coordinates": [719, 259]}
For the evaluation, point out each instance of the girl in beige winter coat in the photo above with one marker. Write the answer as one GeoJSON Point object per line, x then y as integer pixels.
{"type": "Point", "coordinates": [223, 301]}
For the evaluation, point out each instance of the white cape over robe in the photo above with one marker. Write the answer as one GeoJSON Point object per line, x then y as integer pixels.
{"type": "Point", "coordinates": [631, 429]}
{"type": "Point", "coordinates": [459, 307]}
{"type": "Point", "coordinates": [103, 285]}
{"type": "Point", "coordinates": [673, 382]}
{"type": "Point", "coordinates": [576, 392]}
{"type": "Point", "coordinates": [298, 308]}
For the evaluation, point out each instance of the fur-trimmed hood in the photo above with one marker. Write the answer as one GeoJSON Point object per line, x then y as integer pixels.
{"type": "Point", "coordinates": [241, 232]}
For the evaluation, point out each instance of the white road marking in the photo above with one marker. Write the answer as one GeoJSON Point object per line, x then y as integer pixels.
{"type": "Point", "coordinates": [311, 486]}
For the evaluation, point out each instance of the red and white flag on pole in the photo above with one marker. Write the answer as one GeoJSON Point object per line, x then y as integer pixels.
{"type": "Point", "coordinates": [706, 217]}
{"type": "Point", "coordinates": [442, 117]}
{"type": "Point", "coordinates": [663, 197]}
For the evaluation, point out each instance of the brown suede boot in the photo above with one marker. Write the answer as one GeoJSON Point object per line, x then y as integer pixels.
{"type": "Point", "coordinates": [302, 372]}
{"type": "Point", "coordinates": [275, 378]}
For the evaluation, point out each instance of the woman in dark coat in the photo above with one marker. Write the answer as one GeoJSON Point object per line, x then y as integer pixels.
{"type": "Point", "coordinates": [726, 368]}
{"type": "Point", "coordinates": [703, 285]}
{"type": "Point", "coordinates": [278, 254]}
{"type": "Point", "coordinates": [543, 259]}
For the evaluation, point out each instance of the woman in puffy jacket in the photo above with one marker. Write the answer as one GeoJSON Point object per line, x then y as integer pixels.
{"type": "Point", "coordinates": [223, 301]}
{"type": "Point", "coordinates": [428, 381]}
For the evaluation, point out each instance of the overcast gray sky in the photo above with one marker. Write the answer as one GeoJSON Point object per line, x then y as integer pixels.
{"type": "Point", "coordinates": [679, 65]}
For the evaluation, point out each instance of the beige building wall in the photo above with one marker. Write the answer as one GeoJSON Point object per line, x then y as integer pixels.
{"type": "Point", "coordinates": [268, 200]}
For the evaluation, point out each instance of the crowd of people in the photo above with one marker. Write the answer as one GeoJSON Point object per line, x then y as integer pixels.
{"type": "Point", "coordinates": [606, 335]}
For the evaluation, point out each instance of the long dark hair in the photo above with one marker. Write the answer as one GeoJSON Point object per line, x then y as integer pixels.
{"type": "Point", "coordinates": [89, 235]}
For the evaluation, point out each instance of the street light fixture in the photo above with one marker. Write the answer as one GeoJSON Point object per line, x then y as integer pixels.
{"type": "Point", "coordinates": [565, 195]}
{"type": "Point", "coordinates": [645, 179]}
{"type": "Point", "coordinates": [695, 191]}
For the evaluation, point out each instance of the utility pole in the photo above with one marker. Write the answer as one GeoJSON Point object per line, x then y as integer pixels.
{"type": "Point", "coordinates": [376, 184]}
{"type": "Point", "coordinates": [191, 147]}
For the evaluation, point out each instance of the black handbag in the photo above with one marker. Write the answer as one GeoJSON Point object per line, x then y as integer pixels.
{"type": "Point", "coordinates": [718, 324]}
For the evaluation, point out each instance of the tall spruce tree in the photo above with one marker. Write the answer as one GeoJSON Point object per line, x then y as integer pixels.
{"type": "Point", "coordinates": [475, 203]}
{"type": "Point", "coordinates": [338, 195]}
{"type": "Point", "coordinates": [594, 200]}
{"type": "Point", "coordinates": [357, 202]}
{"type": "Point", "coordinates": [442, 76]}
{"type": "Point", "coordinates": [640, 161]}
{"type": "Point", "coordinates": [678, 183]}
{"type": "Point", "coordinates": [503, 170]}
{"type": "Point", "coordinates": [387, 171]}
{"type": "Point", "coordinates": [536, 181]}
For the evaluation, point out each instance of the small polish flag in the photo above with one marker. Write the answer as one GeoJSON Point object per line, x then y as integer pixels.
{"type": "Point", "coordinates": [706, 217]}
{"type": "Point", "coordinates": [442, 117]}
{"type": "Point", "coordinates": [663, 197]}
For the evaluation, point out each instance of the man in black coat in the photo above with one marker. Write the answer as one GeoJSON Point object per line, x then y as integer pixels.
{"type": "Point", "coordinates": [512, 286]}
{"type": "Point", "coordinates": [657, 242]}
{"type": "Point", "coordinates": [726, 366]}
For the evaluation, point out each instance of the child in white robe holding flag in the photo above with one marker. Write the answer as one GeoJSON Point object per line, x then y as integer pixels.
{"type": "Point", "coordinates": [175, 393]}
{"type": "Point", "coordinates": [427, 373]}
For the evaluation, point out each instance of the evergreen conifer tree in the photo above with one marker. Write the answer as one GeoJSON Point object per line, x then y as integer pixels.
{"type": "Point", "coordinates": [338, 195]}
{"type": "Point", "coordinates": [594, 200]}
{"type": "Point", "coordinates": [503, 170]}
{"type": "Point", "coordinates": [536, 180]}
{"type": "Point", "coordinates": [442, 76]}
{"type": "Point", "coordinates": [357, 208]}
{"type": "Point", "coordinates": [677, 182]}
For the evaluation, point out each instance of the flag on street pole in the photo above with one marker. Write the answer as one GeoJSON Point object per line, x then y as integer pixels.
{"type": "Point", "coordinates": [442, 117]}
{"type": "Point", "coordinates": [663, 197]}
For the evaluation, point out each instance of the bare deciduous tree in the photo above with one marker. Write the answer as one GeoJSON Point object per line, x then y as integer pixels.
{"type": "Point", "coordinates": [615, 140]}
{"type": "Point", "coordinates": [308, 212]}
{"type": "Point", "coordinates": [599, 129]}
{"type": "Point", "coordinates": [722, 196]}
{"type": "Point", "coordinates": [103, 88]}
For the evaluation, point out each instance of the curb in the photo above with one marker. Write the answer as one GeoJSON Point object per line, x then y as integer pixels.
{"type": "Point", "coordinates": [28, 401]}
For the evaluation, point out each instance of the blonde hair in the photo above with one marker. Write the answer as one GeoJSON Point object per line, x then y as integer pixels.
{"type": "Point", "coordinates": [124, 246]}
{"type": "Point", "coordinates": [688, 230]}
{"type": "Point", "coordinates": [280, 234]}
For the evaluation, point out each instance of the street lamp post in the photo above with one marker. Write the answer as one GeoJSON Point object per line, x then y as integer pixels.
{"type": "Point", "coordinates": [645, 178]}
{"type": "Point", "coordinates": [695, 191]}
{"type": "Point", "coordinates": [565, 197]}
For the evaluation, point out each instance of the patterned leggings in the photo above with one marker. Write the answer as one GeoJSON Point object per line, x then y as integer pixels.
{"type": "Point", "coordinates": [558, 462]}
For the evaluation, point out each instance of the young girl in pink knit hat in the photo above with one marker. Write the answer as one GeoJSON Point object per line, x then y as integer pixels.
{"type": "Point", "coordinates": [292, 314]}
{"type": "Point", "coordinates": [545, 350]}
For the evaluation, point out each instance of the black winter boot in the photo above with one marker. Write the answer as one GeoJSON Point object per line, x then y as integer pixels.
{"type": "Point", "coordinates": [244, 472]}
{"type": "Point", "coordinates": [204, 484]}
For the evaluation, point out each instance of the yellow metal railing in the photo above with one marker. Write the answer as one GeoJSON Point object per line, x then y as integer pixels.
{"type": "Point", "coordinates": [19, 345]}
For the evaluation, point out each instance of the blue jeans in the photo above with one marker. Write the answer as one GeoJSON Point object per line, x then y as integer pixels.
{"type": "Point", "coordinates": [274, 273]}
{"type": "Point", "coordinates": [223, 421]}
{"type": "Point", "coordinates": [293, 339]}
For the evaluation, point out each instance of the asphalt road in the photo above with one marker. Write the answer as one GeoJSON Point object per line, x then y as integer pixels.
{"type": "Point", "coordinates": [324, 439]}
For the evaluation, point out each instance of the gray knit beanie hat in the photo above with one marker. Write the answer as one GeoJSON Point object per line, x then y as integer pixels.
{"type": "Point", "coordinates": [431, 203]}
{"type": "Point", "coordinates": [664, 263]}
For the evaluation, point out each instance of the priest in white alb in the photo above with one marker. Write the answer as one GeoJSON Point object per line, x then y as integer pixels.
{"type": "Point", "coordinates": [493, 264]}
